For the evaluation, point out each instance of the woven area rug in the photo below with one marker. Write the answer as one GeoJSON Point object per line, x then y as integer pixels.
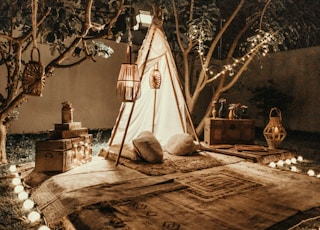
{"type": "Point", "coordinates": [171, 163]}
{"type": "Point", "coordinates": [189, 207]}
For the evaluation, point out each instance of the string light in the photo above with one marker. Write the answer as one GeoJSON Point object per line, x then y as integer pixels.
{"type": "Point", "coordinates": [43, 227]}
{"type": "Point", "coordinates": [13, 168]}
{"type": "Point", "coordinates": [259, 44]}
{"type": "Point", "coordinates": [34, 216]}
{"type": "Point", "coordinates": [16, 181]}
{"type": "Point", "coordinates": [28, 204]}
{"type": "Point", "coordinates": [23, 195]}
{"type": "Point", "coordinates": [18, 188]}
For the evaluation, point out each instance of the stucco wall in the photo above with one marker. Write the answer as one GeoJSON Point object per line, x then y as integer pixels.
{"type": "Point", "coordinates": [91, 89]}
{"type": "Point", "coordinates": [295, 72]}
{"type": "Point", "coordinates": [89, 86]}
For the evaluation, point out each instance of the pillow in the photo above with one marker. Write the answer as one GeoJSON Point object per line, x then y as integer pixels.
{"type": "Point", "coordinates": [148, 147]}
{"type": "Point", "coordinates": [180, 144]}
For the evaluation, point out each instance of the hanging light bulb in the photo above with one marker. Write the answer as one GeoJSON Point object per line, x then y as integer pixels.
{"type": "Point", "coordinates": [155, 78]}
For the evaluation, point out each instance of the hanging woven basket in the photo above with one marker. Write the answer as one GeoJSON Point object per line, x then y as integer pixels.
{"type": "Point", "coordinates": [155, 78]}
{"type": "Point", "coordinates": [33, 78]}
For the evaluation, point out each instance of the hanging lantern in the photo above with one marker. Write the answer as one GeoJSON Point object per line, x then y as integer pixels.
{"type": "Point", "coordinates": [274, 133]}
{"type": "Point", "coordinates": [128, 85]}
{"type": "Point", "coordinates": [33, 78]}
{"type": "Point", "coordinates": [155, 78]}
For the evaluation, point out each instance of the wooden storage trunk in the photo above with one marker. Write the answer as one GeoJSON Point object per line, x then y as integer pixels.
{"type": "Point", "coordinates": [54, 160]}
{"type": "Point", "coordinates": [225, 131]}
{"type": "Point", "coordinates": [62, 154]}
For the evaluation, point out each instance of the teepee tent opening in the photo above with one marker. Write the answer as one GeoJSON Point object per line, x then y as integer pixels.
{"type": "Point", "coordinates": [161, 110]}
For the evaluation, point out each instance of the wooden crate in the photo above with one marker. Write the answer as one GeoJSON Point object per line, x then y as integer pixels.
{"type": "Point", "coordinates": [225, 131]}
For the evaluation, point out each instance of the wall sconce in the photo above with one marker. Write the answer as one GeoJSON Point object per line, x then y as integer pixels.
{"type": "Point", "coordinates": [274, 132]}
{"type": "Point", "coordinates": [144, 19]}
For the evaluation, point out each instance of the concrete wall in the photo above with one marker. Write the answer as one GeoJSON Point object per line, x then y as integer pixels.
{"type": "Point", "coordinates": [295, 72]}
{"type": "Point", "coordinates": [91, 89]}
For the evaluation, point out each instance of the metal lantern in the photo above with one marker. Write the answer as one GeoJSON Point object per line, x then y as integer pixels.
{"type": "Point", "coordinates": [128, 85]}
{"type": "Point", "coordinates": [155, 78]}
{"type": "Point", "coordinates": [274, 132]}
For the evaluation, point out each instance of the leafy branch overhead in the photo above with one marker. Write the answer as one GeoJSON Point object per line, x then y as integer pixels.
{"type": "Point", "coordinates": [76, 31]}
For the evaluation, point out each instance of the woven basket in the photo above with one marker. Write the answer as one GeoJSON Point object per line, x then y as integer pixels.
{"type": "Point", "coordinates": [33, 78]}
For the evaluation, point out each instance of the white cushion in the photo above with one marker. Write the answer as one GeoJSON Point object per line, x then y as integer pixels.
{"type": "Point", "coordinates": [181, 144]}
{"type": "Point", "coordinates": [148, 147]}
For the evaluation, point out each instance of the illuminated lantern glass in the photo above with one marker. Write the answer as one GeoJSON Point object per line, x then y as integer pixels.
{"type": "Point", "coordinates": [155, 78]}
{"type": "Point", "coordinates": [274, 132]}
{"type": "Point", "coordinates": [128, 84]}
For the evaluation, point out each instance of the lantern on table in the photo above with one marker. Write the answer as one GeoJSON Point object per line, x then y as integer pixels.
{"type": "Point", "coordinates": [274, 132]}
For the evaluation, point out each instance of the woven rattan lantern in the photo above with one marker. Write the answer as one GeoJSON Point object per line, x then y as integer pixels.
{"type": "Point", "coordinates": [128, 85]}
{"type": "Point", "coordinates": [274, 132]}
{"type": "Point", "coordinates": [155, 78]}
{"type": "Point", "coordinates": [33, 77]}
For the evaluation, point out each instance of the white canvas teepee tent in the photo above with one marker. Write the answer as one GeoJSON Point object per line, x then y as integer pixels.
{"type": "Point", "coordinates": [162, 111]}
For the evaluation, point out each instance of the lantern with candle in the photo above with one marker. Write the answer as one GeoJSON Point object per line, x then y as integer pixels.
{"type": "Point", "coordinates": [274, 132]}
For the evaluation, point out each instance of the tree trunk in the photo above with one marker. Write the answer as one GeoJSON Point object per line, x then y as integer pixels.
{"type": "Point", "coordinates": [3, 137]}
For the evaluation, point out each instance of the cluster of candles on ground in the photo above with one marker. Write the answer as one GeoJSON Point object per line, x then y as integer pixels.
{"type": "Point", "coordinates": [28, 204]}
{"type": "Point", "coordinates": [291, 163]}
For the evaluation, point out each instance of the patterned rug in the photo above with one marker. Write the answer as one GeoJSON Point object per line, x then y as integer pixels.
{"type": "Point", "coordinates": [171, 163]}
{"type": "Point", "coordinates": [190, 206]}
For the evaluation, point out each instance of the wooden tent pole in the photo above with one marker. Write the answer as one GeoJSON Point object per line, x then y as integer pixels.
{"type": "Point", "coordinates": [154, 109]}
{"type": "Point", "coordinates": [134, 103]}
{"type": "Point", "coordinates": [123, 105]}
{"type": "Point", "coordinates": [185, 104]}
